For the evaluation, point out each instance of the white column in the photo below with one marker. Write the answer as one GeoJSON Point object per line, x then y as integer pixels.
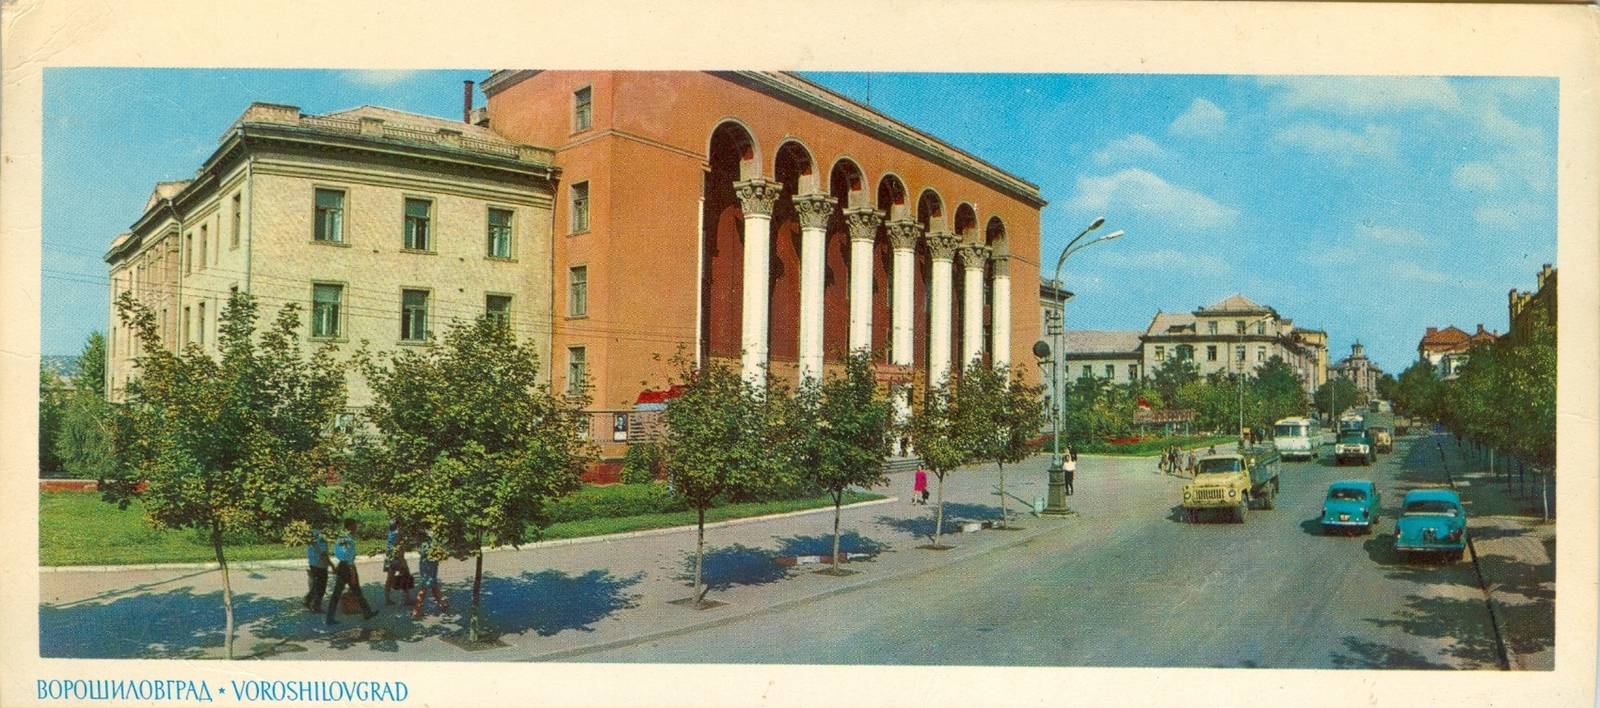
{"type": "Point", "coordinates": [756, 197]}
{"type": "Point", "coordinates": [814, 210]}
{"type": "Point", "coordinates": [973, 258]}
{"type": "Point", "coordinates": [942, 246]}
{"type": "Point", "coordinates": [1002, 311]}
{"type": "Point", "coordinates": [902, 319]}
{"type": "Point", "coordinates": [863, 231]}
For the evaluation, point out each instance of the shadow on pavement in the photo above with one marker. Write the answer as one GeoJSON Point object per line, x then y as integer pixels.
{"type": "Point", "coordinates": [176, 624]}
{"type": "Point", "coordinates": [849, 542]}
{"type": "Point", "coordinates": [955, 513]}
{"type": "Point", "coordinates": [1463, 622]}
{"type": "Point", "coordinates": [1362, 654]}
{"type": "Point", "coordinates": [737, 564]}
{"type": "Point", "coordinates": [548, 601]}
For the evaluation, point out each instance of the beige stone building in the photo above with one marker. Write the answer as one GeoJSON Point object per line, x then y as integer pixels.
{"type": "Point", "coordinates": [1235, 335]}
{"type": "Point", "coordinates": [385, 226]}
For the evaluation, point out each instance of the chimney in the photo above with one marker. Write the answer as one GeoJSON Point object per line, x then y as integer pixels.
{"type": "Point", "coordinates": [1480, 330]}
{"type": "Point", "coordinates": [1432, 331]}
{"type": "Point", "coordinates": [466, 102]}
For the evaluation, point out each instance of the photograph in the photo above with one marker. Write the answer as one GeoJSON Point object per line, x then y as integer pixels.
{"type": "Point", "coordinates": [670, 373]}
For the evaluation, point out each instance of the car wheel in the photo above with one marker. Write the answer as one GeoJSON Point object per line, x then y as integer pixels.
{"type": "Point", "coordinates": [1327, 530]}
{"type": "Point", "coordinates": [1240, 512]}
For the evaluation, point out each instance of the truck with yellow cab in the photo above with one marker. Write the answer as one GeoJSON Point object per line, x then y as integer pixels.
{"type": "Point", "coordinates": [1232, 481]}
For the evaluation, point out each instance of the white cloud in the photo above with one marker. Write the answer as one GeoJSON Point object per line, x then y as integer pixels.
{"type": "Point", "coordinates": [1134, 148]}
{"type": "Point", "coordinates": [1392, 235]}
{"type": "Point", "coordinates": [1337, 144]}
{"type": "Point", "coordinates": [1356, 95]}
{"type": "Point", "coordinates": [1478, 175]}
{"type": "Point", "coordinates": [1145, 194]}
{"type": "Point", "coordinates": [1202, 118]}
{"type": "Point", "coordinates": [382, 78]}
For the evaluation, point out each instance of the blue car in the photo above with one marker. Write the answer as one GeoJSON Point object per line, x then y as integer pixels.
{"type": "Point", "coordinates": [1432, 523]}
{"type": "Point", "coordinates": [1351, 507]}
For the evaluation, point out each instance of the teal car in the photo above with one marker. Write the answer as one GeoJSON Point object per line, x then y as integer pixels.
{"type": "Point", "coordinates": [1432, 524]}
{"type": "Point", "coordinates": [1351, 507]}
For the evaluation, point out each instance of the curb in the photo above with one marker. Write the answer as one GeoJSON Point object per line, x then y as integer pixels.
{"type": "Point", "coordinates": [297, 563]}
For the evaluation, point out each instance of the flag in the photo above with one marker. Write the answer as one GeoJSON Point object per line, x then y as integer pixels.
{"type": "Point", "coordinates": [1143, 403]}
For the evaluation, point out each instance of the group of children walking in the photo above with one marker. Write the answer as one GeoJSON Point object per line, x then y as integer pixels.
{"type": "Point", "coordinates": [397, 573]}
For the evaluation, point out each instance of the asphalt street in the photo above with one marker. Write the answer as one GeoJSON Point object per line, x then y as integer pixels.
{"type": "Point", "coordinates": [1132, 584]}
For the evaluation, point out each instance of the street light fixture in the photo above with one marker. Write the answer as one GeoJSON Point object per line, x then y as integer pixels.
{"type": "Point", "coordinates": [1057, 504]}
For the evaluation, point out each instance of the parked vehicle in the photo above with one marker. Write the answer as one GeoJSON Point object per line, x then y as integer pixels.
{"type": "Point", "coordinates": [1298, 438]}
{"type": "Point", "coordinates": [1352, 422]}
{"type": "Point", "coordinates": [1351, 507]}
{"type": "Point", "coordinates": [1402, 426]}
{"type": "Point", "coordinates": [1354, 447]}
{"type": "Point", "coordinates": [1432, 523]}
{"type": "Point", "coordinates": [1232, 481]}
{"type": "Point", "coordinates": [1382, 441]}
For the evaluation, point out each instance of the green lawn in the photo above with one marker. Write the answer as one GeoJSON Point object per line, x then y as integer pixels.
{"type": "Point", "coordinates": [76, 528]}
{"type": "Point", "coordinates": [1152, 448]}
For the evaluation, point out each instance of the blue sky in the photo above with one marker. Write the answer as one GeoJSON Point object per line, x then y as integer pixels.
{"type": "Point", "coordinates": [1371, 207]}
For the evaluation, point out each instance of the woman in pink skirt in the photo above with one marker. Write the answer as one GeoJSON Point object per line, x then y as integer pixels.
{"type": "Point", "coordinates": [919, 489]}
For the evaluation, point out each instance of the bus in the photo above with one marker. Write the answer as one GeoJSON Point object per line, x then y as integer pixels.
{"type": "Point", "coordinates": [1298, 438]}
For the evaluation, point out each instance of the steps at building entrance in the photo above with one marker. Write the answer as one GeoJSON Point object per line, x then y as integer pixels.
{"type": "Point", "coordinates": [901, 464]}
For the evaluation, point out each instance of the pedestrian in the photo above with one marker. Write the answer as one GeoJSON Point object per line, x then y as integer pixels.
{"type": "Point", "coordinates": [1190, 469]}
{"type": "Point", "coordinates": [316, 571]}
{"type": "Point", "coordinates": [396, 572]}
{"type": "Point", "coordinates": [344, 575]}
{"type": "Point", "coordinates": [1069, 467]}
{"type": "Point", "coordinates": [919, 488]}
{"type": "Point", "coordinates": [1211, 450]}
{"type": "Point", "coordinates": [428, 579]}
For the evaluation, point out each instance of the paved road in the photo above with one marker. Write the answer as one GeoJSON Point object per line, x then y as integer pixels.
{"type": "Point", "coordinates": [1130, 584]}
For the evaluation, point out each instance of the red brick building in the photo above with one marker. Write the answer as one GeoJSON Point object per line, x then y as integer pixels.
{"type": "Point", "coordinates": [872, 234]}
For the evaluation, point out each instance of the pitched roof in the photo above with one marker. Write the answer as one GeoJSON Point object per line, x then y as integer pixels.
{"type": "Point", "coordinates": [1167, 322]}
{"type": "Point", "coordinates": [1235, 303]}
{"type": "Point", "coordinates": [1447, 339]}
{"type": "Point", "coordinates": [1087, 341]}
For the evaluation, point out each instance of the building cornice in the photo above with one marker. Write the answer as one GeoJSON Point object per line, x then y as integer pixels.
{"type": "Point", "coordinates": [814, 98]}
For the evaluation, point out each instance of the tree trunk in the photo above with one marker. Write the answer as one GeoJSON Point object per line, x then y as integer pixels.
{"type": "Point", "coordinates": [938, 516]}
{"type": "Point", "coordinates": [1544, 492]}
{"type": "Point", "coordinates": [838, 501]}
{"type": "Point", "coordinates": [699, 557]}
{"type": "Point", "coordinates": [227, 589]}
{"type": "Point", "coordinates": [1002, 467]}
{"type": "Point", "coordinates": [475, 625]}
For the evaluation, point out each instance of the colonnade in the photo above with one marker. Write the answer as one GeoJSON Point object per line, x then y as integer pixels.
{"type": "Point", "coordinates": [757, 197]}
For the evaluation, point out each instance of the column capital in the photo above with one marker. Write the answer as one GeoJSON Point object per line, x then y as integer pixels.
{"type": "Point", "coordinates": [942, 245]}
{"type": "Point", "coordinates": [903, 234]}
{"type": "Point", "coordinates": [863, 222]}
{"type": "Point", "coordinates": [973, 255]}
{"type": "Point", "coordinates": [757, 195]}
{"type": "Point", "coordinates": [1002, 265]}
{"type": "Point", "coordinates": [814, 210]}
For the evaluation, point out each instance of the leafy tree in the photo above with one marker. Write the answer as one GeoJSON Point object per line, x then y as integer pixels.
{"type": "Point", "coordinates": [236, 444]}
{"type": "Point", "coordinates": [1336, 395]}
{"type": "Point", "coordinates": [470, 443]}
{"type": "Point", "coordinates": [1277, 392]}
{"type": "Point", "coordinates": [50, 412]}
{"type": "Point", "coordinates": [84, 440]}
{"type": "Point", "coordinates": [1385, 387]}
{"type": "Point", "coordinates": [941, 431]}
{"type": "Point", "coordinates": [843, 435]}
{"type": "Point", "coordinates": [1173, 374]}
{"type": "Point", "coordinates": [723, 438]}
{"type": "Point", "coordinates": [1007, 417]}
{"type": "Point", "coordinates": [1418, 391]}
{"type": "Point", "coordinates": [92, 366]}
{"type": "Point", "coordinates": [640, 463]}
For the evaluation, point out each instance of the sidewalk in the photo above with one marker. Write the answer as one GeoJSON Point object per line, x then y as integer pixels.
{"type": "Point", "coordinates": [549, 601]}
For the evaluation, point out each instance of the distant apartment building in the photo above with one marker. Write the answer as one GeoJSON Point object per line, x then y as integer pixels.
{"type": "Point", "coordinates": [1448, 349]}
{"type": "Point", "coordinates": [385, 226]}
{"type": "Point", "coordinates": [1231, 336]}
{"type": "Point", "coordinates": [1115, 357]}
{"type": "Point", "coordinates": [1360, 370]}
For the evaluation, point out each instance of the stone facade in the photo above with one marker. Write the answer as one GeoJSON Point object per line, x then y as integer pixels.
{"type": "Point", "coordinates": [1359, 370]}
{"type": "Point", "coordinates": [1115, 357]}
{"type": "Point", "coordinates": [1448, 349]}
{"type": "Point", "coordinates": [1234, 335]}
{"type": "Point", "coordinates": [314, 210]}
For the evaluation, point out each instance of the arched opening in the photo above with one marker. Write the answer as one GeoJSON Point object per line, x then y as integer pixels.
{"type": "Point", "coordinates": [847, 185]}
{"type": "Point", "coordinates": [930, 212]}
{"type": "Point", "coordinates": [732, 157]}
{"type": "Point", "coordinates": [966, 223]}
{"type": "Point", "coordinates": [796, 171]}
{"type": "Point", "coordinates": [892, 198]}
{"type": "Point", "coordinates": [994, 236]}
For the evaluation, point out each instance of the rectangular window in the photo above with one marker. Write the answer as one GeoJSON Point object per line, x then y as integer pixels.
{"type": "Point", "coordinates": [1161, 353]}
{"type": "Point", "coordinates": [413, 315]}
{"type": "Point", "coordinates": [500, 233]}
{"type": "Point", "coordinates": [1261, 354]}
{"type": "Point", "coordinates": [498, 309]}
{"type": "Point", "coordinates": [577, 370]}
{"type": "Point", "coordinates": [1261, 327]}
{"type": "Point", "coordinates": [578, 291]}
{"type": "Point", "coordinates": [200, 324]}
{"type": "Point", "coordinates": [418, 214]}
{"type": "Point", "coordinates": [330, 216]}
{"type": "Point", "coordinates": [1111, 371]}
{"type": "Point", "coordinates": [188, 253]}
{"type": "Point", "coordinates": [1211, 327]}
{"type": "Point", "coordinates": [1133, 372]}
{"type": "Point", "coordinates": [1211, 352]}
{"type": "Point", "coordinates": [237, 212]}
{"type": "Point", "coordinates": [582, 109]}
{"type": "Point", "coordinates": [1238, 353]}
{"type": "Point", "coordinates": [1238, 326]}
{"type": "Point", "coordinates": [325, 302]}
{"type": "Point", "coordinates": [204, 238]}
{"type": "Point", "coordinates": [187, 314]}
{"type": "Point", "coordinates": [580, 207]}
{"type": "Point", "coordinates": [1087, 371]}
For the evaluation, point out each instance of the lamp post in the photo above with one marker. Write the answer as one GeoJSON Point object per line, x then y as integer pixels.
{"type": "Point", "coordinates": [1057, 502]}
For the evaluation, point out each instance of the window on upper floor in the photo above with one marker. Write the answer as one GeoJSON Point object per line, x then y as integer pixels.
{"type": "Point", "coordinates": [1261, 354]}
{"type": "Point", "coordinates": [238, 214]}
{"type": "Point", "coordinates": [578, 291]}
{"type": "Point", "coordinates": [326, 302]}
{"type": "Point", "coordinates": [1238, 326]}
{"type": "Point", "coordinates": [413, 315]}
{"type": "Point", "coordinates": [500, 233]}
{"type": "Point", "coordinates": [1211, 327]}
{"type": "Point", "coordinates": [1261, 327]}
{"type": "Point", "coordinates": [1111, 371]}
{"type": "Point", "coordinates": [1161, 353]}
{"type": "Point", "coordinates": [1211, 352]}
{"type": "Point", "coordinates": [200, 324]}
{"type": "Point", "coordinates": [330, 216]}
{"type": "Point", "coordinates": [582, 109]}
{"type": "Point", "coordinates": [1133, 372]}
{"type": "Point", "coordinates": [580, 207]}
{"type": "Point", "coordinates": [498, 309]}
{"type": "Point", "coordinates": [419, 215]}
{"type": "Point", "coordinates": [577, 370]}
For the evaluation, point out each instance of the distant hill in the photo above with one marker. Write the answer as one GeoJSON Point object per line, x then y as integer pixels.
{"type": "Point", "coordinates": [60, 364]}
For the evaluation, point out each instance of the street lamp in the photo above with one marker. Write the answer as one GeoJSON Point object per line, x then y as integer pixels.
{"type": "Point", "coordinates": [1058, 480]}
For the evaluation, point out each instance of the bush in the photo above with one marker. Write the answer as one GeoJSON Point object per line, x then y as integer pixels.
{"type": "Point", "coordinates": [639, 466]}
{"type": "Point", "coordinates": [613, 501]}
